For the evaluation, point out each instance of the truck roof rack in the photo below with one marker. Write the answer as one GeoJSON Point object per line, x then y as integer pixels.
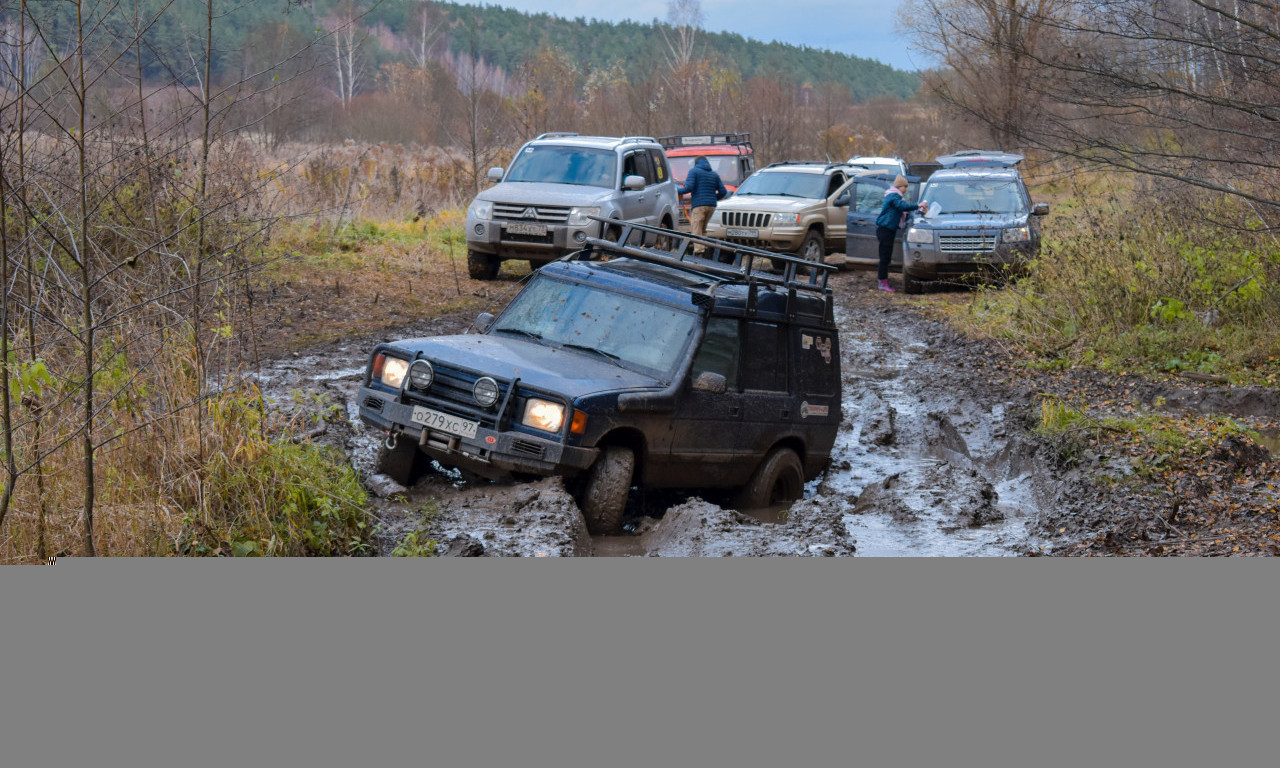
{"type": "Point", "coordinates": [727, 263]}
{"type": "Point", "coordinates": [704, 139]}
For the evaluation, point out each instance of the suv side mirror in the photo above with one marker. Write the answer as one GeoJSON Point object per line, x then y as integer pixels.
{"type": "Point", "coordinates": [495, 174]}
{"type": "Point", "coordinates": [1039, 209]}
{"type": "Point", "coordinates": [842, 201]}
{"type": "Point", "coordinates": [483, 321]}
{"type": "Point", "coordinates": [707, 381]}
{"type": "Point", "coordinates": [633, 182]}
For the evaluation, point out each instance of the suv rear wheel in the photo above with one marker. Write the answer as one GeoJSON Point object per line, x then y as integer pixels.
{"type": "Point", "coordinates": [482, 266]}
{"type": "Point", "coordinates": [812, 249]}
{"type": "Point", "coordinates": [603, 496]}
{"type": "Point", "coordinates": [778, 479]}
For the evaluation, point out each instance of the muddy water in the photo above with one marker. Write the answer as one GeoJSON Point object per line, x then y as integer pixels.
{"type": "Point", "coordinates": [928, 462]}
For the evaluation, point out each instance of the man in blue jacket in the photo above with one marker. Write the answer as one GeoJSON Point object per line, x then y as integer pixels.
{"type": "Point", "coordinates": [892, 214]}
{"type": "Point", "coordinates": [704, 188]}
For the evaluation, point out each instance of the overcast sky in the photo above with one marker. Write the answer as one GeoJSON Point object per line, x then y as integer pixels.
{"type": "Point", "coordinates": [858, 27]}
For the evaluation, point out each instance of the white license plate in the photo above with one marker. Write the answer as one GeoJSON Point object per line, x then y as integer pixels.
{"type": "Point", "coordinates": [520, 228]}
{"type": "Point", "coordinates": [739, 232]}
{"type": "Point", "coordinates": [432, 419]}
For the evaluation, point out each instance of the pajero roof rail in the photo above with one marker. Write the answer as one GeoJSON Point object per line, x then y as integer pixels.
{"type": "Point", "coordinates": [728, 263]}
{"type": "Point", "coordinates": [556, 135]}
{"type": "Point", "coordinates": [638, 140]}
{"type": "Point", "coordinates": [703, 139]}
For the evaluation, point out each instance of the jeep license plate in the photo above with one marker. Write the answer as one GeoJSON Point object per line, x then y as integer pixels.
{"type": "Point", "coordinates": [521, 228]}
{"type": "Point", "coordinates": [432, 419]}
{"type": "Point", "coordinates": [739, 232]}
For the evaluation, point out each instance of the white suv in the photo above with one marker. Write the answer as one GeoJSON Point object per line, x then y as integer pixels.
{"type": "Point", "coordinates": [542, 207]}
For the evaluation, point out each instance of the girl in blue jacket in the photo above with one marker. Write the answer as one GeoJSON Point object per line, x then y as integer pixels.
{"type": "Point", "coordinates": [892, 214]}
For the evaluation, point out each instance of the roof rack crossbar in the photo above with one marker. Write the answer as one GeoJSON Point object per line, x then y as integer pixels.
{"type": "Point", "coordinates": [728, 261]}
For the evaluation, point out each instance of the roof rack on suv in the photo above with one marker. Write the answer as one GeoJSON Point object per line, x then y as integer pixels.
{"type": "Point", "coordinates": [638, 139]}
{"type": "Point", "coordinates": [815, 163]}
{"type": "Point", "coordinates": [694, 140]}
{"type": "Point", "coordinates": [555, 135]}
{"type": "Point", "coordinates": [729, 263]}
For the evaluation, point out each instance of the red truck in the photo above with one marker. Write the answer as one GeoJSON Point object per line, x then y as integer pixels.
{"type": "Point", "coordinates": [730, 155]}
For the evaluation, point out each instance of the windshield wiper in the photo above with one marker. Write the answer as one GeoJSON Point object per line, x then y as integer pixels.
{"type": "Point", "coordinates": [606, 355]}
{"type": "Point", "coordinates": [520, 332]}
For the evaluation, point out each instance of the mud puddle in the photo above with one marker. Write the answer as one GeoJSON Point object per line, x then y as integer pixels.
{"type": "Point", "coordinates": [929, 462]}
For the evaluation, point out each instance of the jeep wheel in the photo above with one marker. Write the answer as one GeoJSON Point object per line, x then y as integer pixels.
{"type": "Point", "coordinates": [778, 479]}
{"type": "Point", "coordinates": [663, 242]}
{"type": "Point", "coordinates": [812, 249]}
{"type": "Point", "coordinates": [482, 266]}
{"type": "Point", "coordinates": [603, 496]}
{"type": "Point", "coordinates": [404, 463]}
{"type": "Point", "coordinates": [910, 285]}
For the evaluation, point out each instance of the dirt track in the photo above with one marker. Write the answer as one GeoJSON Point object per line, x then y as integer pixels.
{"type": "Point", "coordinates": [935, 457]}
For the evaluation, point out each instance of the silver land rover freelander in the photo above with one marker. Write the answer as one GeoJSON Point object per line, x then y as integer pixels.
{"type": "Point", "coordinates": [541, 208]}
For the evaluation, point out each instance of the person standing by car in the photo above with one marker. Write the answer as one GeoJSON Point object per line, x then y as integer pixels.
{"type": "Point", "coordinates": [704, 188]}
{"type": "Point", "coordinates": [892, 214]}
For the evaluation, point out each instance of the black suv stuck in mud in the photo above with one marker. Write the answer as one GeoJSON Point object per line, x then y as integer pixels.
{"type": "Point", "coordinates": [621, 366]}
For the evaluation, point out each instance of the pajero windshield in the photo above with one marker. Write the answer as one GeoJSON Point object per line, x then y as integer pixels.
{"type": "Point", "coordinates": [565, 165]}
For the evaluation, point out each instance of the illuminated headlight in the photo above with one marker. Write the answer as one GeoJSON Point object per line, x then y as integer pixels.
{"type": "Point", "coordinates": [543, 414]}
{"type": "Point", "coordinates": [485, 391]}
{"type": "Point", "coordinates": [481, 209]}
{"type": "Point", "coordinates": [785, 218]}
{"type": "Point", "coordinates": [916, 235]}
{"type": "Point", "coordinates": [393, 371]}
{"type": "Point", "coordinates": [578, 216]}
{"type": "Point", "coordinates": [421, 374]}
{"type": "Point", "coordinates": [1016, 235]}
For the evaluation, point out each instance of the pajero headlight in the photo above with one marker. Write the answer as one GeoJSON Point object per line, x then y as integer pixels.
{"type": "Point", "coordinates": [786, 219]}
{"type": "Point", "coordinates": [390, 370]}
{"type": "Point", "coordinates": [578, 216]}
{"type": "Point", "coordinates": [1016, 235]}
{"type": "Point", "coordinates": [917, 235]}
{"type": "Point", "coordinates": [481, 209]}
{"type": "Point", "coordinates": [543, 414]}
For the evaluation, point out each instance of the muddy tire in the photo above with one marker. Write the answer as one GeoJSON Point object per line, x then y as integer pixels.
{"type": "Point", "coordinates": [404, 463]}
{"type": "Point", "coordinates": [482, 266]}
{"type": "Point", "coordinates": [910, 285]}
{"type": "Point", "coordinates": [603, 494]}
{"type": "Point", "coordinates": [663, 242]}
{"type": "Point", "coordinates": [778, 479]}
{"type": "Point", "coordinates": [812, 248]}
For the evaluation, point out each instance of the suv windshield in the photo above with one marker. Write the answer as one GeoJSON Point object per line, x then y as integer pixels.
{"type": "Point", "coordinates": [787, 184]}
{"type": "Point", "coordinates": [726, 167]}
{"type": "Point", "coordinates": [564, 165]}
{"type": "Point", "coordinates": [627, 330]}
{"type": "Point", "coordinates": [975, 196]}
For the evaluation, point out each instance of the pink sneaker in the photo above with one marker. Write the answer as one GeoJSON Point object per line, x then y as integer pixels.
{"type": "Point", "coordinates": [884, 286]}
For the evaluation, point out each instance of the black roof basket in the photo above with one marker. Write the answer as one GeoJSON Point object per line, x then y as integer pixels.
{"type": "Point", "coordinates": [703, 139]}
{"type": "Point", "coordinates": [724, 262]}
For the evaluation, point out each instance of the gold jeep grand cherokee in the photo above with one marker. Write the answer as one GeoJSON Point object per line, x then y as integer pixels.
{"type": "Point", "coordinates": [788, 207]}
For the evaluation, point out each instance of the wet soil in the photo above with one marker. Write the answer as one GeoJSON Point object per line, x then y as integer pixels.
{"type": "Point", "coordinates": [935, 457]}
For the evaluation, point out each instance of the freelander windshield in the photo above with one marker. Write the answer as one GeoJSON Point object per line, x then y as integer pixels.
{"type": "Point", "coordinates": [628, 331]}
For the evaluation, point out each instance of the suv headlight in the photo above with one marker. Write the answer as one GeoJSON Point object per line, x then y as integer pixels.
{"type": "Point", "coordinates": [578, 216]}
{"type": "Point", "coordinates": [543, 414]}
{"type": "Point", "coordinates": [1016, 235]}
{"type": "Point", "coordinates": [390, 370]}
{"type": "Point", "coordinates": [482, 209]}
{"type": "Point", "coordinates": [917, 235]}
{"type": "Point", "coordinates": [785, 218]}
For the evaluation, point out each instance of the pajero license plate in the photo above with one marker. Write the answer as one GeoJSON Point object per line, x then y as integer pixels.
{"type": "Point", "coordinates": [740, 232]}
{"type": "Point", "coordinates": [432, 419]}
{"type": "Point", "coordinates": [521, 228]}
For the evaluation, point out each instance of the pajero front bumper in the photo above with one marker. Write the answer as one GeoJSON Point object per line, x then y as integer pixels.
{"type": "Point", "coordinates": [534, 239]}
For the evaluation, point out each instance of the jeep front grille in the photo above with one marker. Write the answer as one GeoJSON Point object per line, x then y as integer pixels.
{"type": "Point", "coordinates": [542, 214]}
{"type": "Point", "coordinates": [745, 219]}
{"type": "Point", "coordinates": [451, 392]}
{"type": "Point", "coordinates": [966, 243]}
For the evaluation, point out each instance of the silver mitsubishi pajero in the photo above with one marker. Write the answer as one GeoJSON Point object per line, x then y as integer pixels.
{"type": "Point", "coordinates": [543, 205]}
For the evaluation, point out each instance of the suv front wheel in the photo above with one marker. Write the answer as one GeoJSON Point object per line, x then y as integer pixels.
{"type": "Point", "coordinates": [482, 266]}
{"type": "Point", "coordinates": [812, 249]}
{"type": "Point", "coordinates": [603, 495]}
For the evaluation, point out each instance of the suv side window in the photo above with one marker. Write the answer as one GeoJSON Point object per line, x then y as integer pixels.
{"type": "Point", "coordinates": [768, 369]}
{"type": "Point", "coordinates": [837, 181]}
{"type": "Point", "coordinates": [719, 351]}
{"type": "Point", "coordinates": [867, 197]}
{"type": "Point", "coordinates": [637, 164]}
{"type": "Point", "coordinates": [659, 161]}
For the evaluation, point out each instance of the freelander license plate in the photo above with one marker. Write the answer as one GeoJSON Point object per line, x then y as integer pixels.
{"type": "Point", "coordinates": [739, 232]}
{"type": "Point", "coordinates": [432, 419]}
{"type": "Point", "coordinates": [520, 228]}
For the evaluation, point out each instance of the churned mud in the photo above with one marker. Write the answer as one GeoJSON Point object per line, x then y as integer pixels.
{"type": "Point", "coordinates": [935, 457]}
